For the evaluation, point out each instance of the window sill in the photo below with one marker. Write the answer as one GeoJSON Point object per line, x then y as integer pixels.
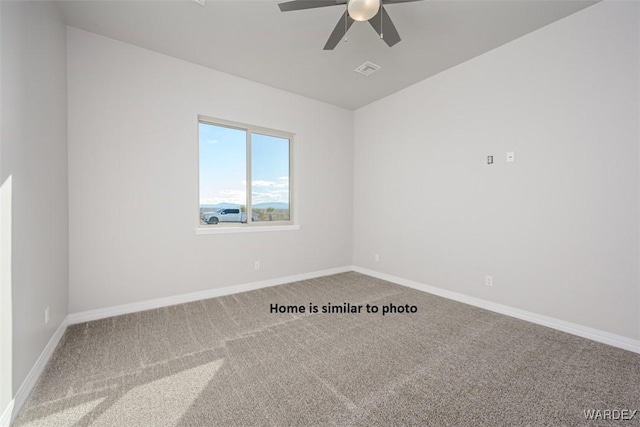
{"type": "Point", "coordinates": [246, 229]}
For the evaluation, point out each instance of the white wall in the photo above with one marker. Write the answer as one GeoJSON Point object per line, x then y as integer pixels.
{"type": "Point", "coordinates": [33, 153]}
{"type": "Point", "coordinates": [6, 314]}
{"type": "Point", "coordinates": [6, 336]}
{"type": "Point", "coordinates": [133, 175]}
{"type": "Point", "coordinates": [557, 229]}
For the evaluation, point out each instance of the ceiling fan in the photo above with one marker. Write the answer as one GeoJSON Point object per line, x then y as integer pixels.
{"type": "Point", "coordinates": [357, 10]}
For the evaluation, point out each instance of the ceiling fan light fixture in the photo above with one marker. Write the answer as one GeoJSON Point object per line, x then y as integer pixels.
{"type": "Point", "coordinates": [363, 10]}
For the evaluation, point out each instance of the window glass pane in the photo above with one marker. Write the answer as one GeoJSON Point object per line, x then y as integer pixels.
{"type": "Point", "coordinates": [270, 178]}
{"type": "Point", "coordinates": [223, 174]}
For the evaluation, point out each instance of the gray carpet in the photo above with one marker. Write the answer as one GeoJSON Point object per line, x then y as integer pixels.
{"type": "Point", "coordinates": [228, 362]}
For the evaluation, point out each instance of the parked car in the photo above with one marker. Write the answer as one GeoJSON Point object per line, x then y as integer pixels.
{"type": "Point", "coordinates": [227, 215]}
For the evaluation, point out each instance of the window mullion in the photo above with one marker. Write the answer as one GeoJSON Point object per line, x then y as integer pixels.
{"type": "Point", "coordinates": [249, 179]}
{"type": "Point", "coordinates": [291, 181]}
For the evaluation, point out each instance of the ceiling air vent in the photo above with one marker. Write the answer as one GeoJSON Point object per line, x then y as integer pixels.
{"type": "Point", "coordinates": [367, 68]}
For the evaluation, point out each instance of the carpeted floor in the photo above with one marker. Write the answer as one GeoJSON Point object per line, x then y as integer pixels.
{"type": "Point", "coordinates": [228, 361]}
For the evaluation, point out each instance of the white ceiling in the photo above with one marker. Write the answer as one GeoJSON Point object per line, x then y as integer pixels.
{"type": "Point", "coordinates": [254, 40]}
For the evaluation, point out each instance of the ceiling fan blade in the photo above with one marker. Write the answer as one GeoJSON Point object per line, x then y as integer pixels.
{"type": "Point", "coordinates": [385, 28]}
{"type": "Point", "coordinates": [339, 31]}
{"type": "Point", "coordinates": [397, 1]}
{"type": "Point", "coordinates": [308, 4]}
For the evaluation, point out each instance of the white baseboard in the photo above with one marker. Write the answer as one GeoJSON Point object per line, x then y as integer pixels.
{"type": "Point", "coordinates": [5, 419]}
{"type": "Point", "coordinates": [36, 370]}
{"type": "Point", "coordinates": [561, 325]}
{"type": "Point", "coordinates": [102, 313]}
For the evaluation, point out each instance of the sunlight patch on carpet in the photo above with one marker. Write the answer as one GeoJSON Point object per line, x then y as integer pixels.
{"type": "Point", "coordinates": [162, 402]}
{"type": "Point", "coordinates": [67, 416]}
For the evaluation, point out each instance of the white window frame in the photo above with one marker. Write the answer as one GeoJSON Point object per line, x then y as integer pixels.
{"type": "Point", "coordinates": [251, 226]}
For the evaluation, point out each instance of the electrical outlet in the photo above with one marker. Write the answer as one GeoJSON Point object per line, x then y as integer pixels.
{"type": "Point", "coordinates": [256, 265]}
{"type": "Point", "coordinates": [488, 280]}
{"type": "Point", "coordinates": [377, 257]}
{"type": "Point", "coordinates": [46, 316]}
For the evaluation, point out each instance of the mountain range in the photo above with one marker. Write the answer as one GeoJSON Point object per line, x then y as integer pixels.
{"type": "Point", "coordinates": [267, 205]}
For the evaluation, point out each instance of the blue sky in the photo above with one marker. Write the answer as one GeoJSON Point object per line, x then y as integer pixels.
{"type": "Point", "coordinates": [223, 166]}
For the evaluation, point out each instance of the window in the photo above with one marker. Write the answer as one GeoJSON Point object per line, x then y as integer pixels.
{"type": "Point", "coordinates": [245, 175]}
